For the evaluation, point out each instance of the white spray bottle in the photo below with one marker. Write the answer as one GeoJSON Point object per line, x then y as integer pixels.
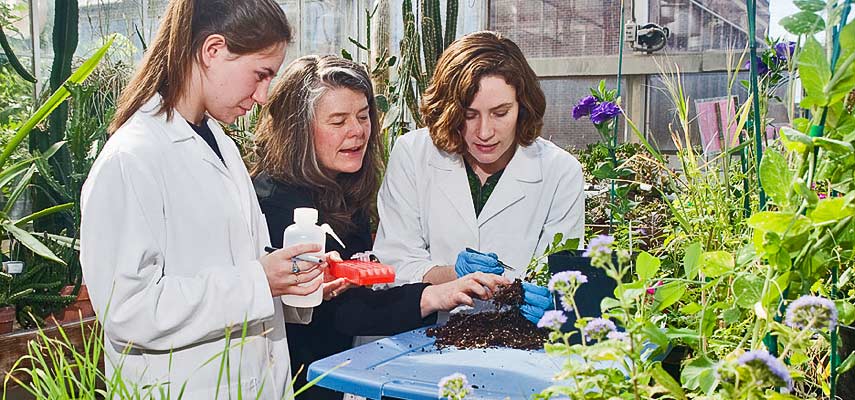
{"type": "Point", "coordinates": [305, 230]}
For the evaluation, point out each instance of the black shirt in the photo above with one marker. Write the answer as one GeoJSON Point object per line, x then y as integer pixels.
{"type": "Point", "coordinates": [360, 311]}
{"type": "Point", "coordinates": [205, 132]}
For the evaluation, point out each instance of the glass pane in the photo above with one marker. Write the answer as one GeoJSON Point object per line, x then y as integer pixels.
{"type": "Point", "coordinates": [559, 28]}
{"type": "Point", "coordinates": [561, 95]}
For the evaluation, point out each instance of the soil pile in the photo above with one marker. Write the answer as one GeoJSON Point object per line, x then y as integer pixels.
{"type": "Point", "coordinates": [504, 327]}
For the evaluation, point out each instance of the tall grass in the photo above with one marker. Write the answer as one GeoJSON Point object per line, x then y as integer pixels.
{"type": "Point", "coordinates": [55, 368]}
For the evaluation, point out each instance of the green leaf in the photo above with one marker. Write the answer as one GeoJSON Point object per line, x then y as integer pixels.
{"type": "Point", "coordinates": [801, 188]}
{"type": "Point", "coordinates": [665, 380]}
{"type": "Point", "coordinates": [691, 260]}
{"type": "Point", "coordinates": [847, 364]}
{"type": "Point", "coordinates": [795, 141]}
{"type": "Point", "coordinates": [382, 103]}
{"type": "Point", "coordinates": [815, 71]}
{"type": "Point", "coordinates": [22, 184]}
{"type": "Point", "coordinates": [747, 289]}
{"type": "Point", "coordinates": [655, 335]}
{"type": "Point", "coordinates": [746, 254]}
{"type": "Point", "coordinates": [777, 287]}
{"type": "Point", "coordinates": [831, 209]}
{"type": "Point", "coordinates": [845, 312]}
{"type": "Point", "coordinates": [780, 222]}
{"type": "Point", "coordinates": [668, 294]}
{"type": "Point", "coordinates": [690, 308]}
{"type": "Point", "coordinates": [716, 263]}
{"type": "Point", "coordinates": [803, 23]}
{"type": "Point", "coordinates": [700, 374]}
{"type": "Point", "coordinates": [834, 146]}
{"type": "Point", "coordinates": [31, 242]}
{"type": "Point", "coordinates": [776, 177]}
{"type": "Point", "coordinates": [810, 5]}
{"type": "Point", "coordinates": [346, 55]}
{"type": "Point", "coordinates": [731, 315]}
{"type": "Point", "coordinates": [54, 101]}
{"type": "Point", "coordinates": [646, 266]}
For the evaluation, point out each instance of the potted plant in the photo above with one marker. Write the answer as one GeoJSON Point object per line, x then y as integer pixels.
{"type": "Point", "coordinates": [8, 297]}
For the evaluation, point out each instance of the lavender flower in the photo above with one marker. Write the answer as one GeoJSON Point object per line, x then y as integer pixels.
{"type": "Point", "coordinates": [454, 386]}
{"type": "Point", "coordinates": [598, 328]}
{"type": "Point", "coordinates": [785, 50]}
{"type": "Point", "coordinates": [552, 319]}
{"type": "Point", "coordinates": [567, 278]}
{"type": "Point", "coordinates": [811, 312]}
{"type": "Point", "coordinates": [604, 112]}
{"type": "Point", "coordinates": [566, 283]}
{"type": "Point", "coordinates": [584, 107]}
{"type": "Point", "coordinates": [599, 246]}
{"type": "Point", "coordinates": [762, 68]}
{"type": "Point", "coordinates": [619, 336]}
{"type": "Point", "coordinates": [768, 366]}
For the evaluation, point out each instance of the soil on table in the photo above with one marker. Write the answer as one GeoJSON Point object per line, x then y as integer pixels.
{"type": "Point", "coordinates": [504, 327]}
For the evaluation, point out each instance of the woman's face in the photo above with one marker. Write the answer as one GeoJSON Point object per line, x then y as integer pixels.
{"type": "Point", "coordinates": [490, 124]}
{"type": "Point", "coordinates": [341, 129]}
{"type": "Point", "coordinates": [233, 84]}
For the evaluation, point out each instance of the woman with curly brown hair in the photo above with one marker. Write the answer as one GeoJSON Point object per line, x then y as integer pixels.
{"type": "Point", "coordinates": [479, 175]}
{"type": "Point", "coordinates": [318, 146]}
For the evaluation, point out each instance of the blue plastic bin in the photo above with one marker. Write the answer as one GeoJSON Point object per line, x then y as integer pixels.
{"type": "Point", "coordinates": [408, 366]}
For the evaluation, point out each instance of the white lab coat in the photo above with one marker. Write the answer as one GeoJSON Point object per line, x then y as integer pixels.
{"type": "Point", "coordinates": [170, 239]}
{"type": "Point", "coordinates": [427, 216]}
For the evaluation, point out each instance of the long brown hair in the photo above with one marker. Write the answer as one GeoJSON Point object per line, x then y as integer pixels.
{"type": "Point", "coordinates": [285, 145]}
{"type": "Point", "coordinates": [457, 79]}
{"type": "Point", "coordinates": [248, 26]}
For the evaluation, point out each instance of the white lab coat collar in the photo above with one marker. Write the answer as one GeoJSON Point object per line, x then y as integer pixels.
{"type": "Point", "coordinates": [524, 167]}
{"type": "Point", "coordinates": [179, 132]}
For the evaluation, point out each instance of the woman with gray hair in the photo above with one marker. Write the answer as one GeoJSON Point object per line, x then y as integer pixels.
{"type": "Point", "coordinates": [318, 146]}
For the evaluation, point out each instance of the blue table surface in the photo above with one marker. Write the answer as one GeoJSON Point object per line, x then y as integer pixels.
{"type": "Point", "coordinates": [408, 366]}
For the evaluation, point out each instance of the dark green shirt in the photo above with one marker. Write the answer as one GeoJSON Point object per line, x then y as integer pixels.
{"type": "Point", "coordinates": [480, 194]}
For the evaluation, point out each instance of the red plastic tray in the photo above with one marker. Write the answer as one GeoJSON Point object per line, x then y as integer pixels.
{"type": "Point", "coordinates": [362, 272]}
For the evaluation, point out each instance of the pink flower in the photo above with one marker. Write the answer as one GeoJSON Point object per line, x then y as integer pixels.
{"type": "Point", "coordinates": [652, 290]}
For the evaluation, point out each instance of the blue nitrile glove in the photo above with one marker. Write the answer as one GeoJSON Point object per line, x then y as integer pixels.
{"type": "Point", "coordinates": [468, 262]}
{"type": "Point", "coordinates": [537, 300]}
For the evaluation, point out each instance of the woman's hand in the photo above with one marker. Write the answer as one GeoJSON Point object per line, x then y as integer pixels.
{"type": "Point", "coordinates": [334, 286]}
{"type": "Point", "coordinates": [281, 276]}
{"type": "Point", "coordinates": [460, 291]}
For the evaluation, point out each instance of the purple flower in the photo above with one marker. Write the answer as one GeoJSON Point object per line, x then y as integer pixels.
{"type": "Point", "coordinates": [454, 386]}
{"type": "Point", "coordinates": [762, 68]}
{"type": "Point", "coordinates": [584, 107]}
{"type": "Point", "coordinates": [598, 328]}
{"type": "Point", "coordinates": [552, 319]}
{"type": "Point", "coordinates": [811, 312]}
{"type": "Point", "coordinates": [567, 278]}
{"type": "Point", "coordinates": [599, 246]}
{"type": "Point", "coordinates": [769, 367]}
{"type": "Point", "coordinates": [821, 195]}
{"type": "Point", "coordinates": [604, 112]}
{"type": "Point", "coordinates": [785, 50]}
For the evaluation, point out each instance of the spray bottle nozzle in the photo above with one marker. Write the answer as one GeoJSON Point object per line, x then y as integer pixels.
{"type": "Point", "coordinates": [328, 230]}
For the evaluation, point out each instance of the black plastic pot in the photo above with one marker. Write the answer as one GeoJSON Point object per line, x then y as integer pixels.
{"type": "Point", "coordinates": [673, 362]}
{"type": "Point", "coordinates": [590, 294]}
{"type": "Point", "coordinates": [846, 382]}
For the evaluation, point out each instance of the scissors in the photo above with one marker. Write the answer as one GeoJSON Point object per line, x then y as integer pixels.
{"type": "Point", "coordinates": [505, 266]}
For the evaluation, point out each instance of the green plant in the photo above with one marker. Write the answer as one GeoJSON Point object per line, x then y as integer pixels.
{"type": "Point", "coordinates": [55, 368]}
{"type": "Point", "coordinates": [6, 20]}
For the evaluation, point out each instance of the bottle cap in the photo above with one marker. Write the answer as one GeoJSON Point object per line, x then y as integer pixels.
{"type": "Point", "coordinates": [305, 216]}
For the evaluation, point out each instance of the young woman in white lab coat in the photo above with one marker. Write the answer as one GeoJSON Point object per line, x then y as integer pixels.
{"type": "Point", "coordinates": [172, 236]}
{"type": "Point", "coordinates": [478, 175]}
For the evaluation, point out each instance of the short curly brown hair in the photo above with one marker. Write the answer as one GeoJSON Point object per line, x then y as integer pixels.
{"type": "Point", "coordinates": [456, 81]}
